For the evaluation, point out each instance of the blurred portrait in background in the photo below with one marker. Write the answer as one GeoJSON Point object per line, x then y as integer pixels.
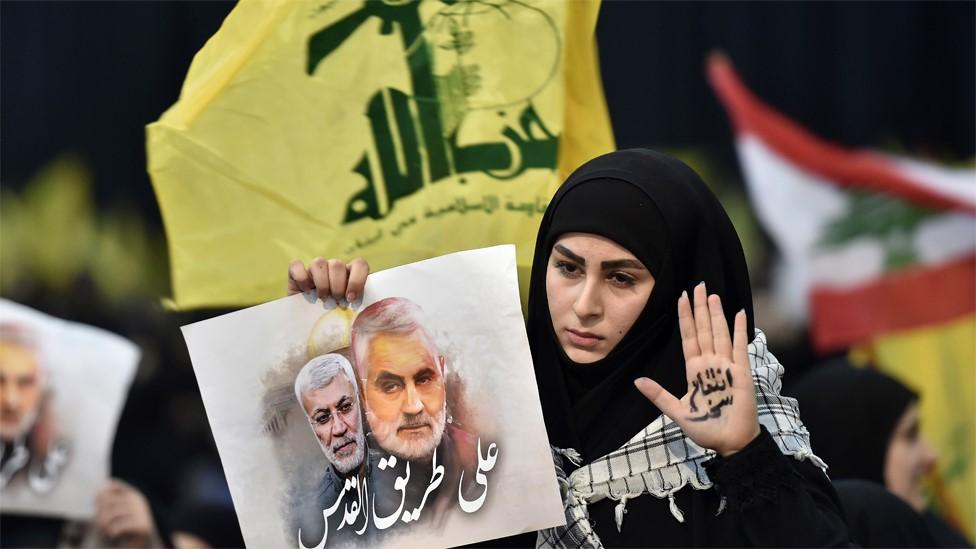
{"type": "Point", "coordinates": [29, 440]}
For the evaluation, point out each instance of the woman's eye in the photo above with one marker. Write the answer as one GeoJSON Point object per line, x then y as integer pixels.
{"type": "Point", "coordinates": [567, 268]}
{"type": "Point", "coordinates": [622, 279]}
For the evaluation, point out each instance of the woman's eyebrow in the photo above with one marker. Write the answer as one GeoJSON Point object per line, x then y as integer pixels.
{"type": "Point", "coordinates": [622, 264]}
{"type": "Point", "coordinates": [569, 253]}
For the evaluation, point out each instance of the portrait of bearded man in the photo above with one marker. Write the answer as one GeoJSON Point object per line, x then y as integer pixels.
{"type": "Point", "coordinates": [29, 445]}
{"type": "Point", "coordinates": [327, 391]}
{"type": "Point", "coordinates": [406, 403]}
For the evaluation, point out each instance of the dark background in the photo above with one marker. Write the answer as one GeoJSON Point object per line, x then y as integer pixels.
{"type": "Point", "coordinates": [86, 77]}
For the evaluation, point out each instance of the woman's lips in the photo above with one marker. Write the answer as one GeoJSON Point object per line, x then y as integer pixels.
{"type": "Point", "coordinates": [583, 339]}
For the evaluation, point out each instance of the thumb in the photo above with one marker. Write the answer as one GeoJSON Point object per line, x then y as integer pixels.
{"type": "Point", "coordinates": [659, 396]}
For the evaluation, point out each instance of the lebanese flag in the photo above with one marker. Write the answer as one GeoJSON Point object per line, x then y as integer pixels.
{"type": "Point", "coordinates": [872, 243]}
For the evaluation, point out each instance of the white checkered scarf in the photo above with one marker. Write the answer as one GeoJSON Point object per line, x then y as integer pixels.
{"type": "Point", "coordinates": [660, 460]}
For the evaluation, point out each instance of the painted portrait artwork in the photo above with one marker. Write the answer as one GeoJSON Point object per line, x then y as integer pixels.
{"type": "Point", "coordinates": [410, 418]}
{"type": "Point", "coordinates": [62, 388]}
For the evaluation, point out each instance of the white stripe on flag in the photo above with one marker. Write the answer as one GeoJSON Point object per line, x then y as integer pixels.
{"type": "Point", "coordinates": [796, 206]}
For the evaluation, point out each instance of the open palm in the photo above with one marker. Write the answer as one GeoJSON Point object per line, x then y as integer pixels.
{"type": "Point", "coordinates": [719, 409]}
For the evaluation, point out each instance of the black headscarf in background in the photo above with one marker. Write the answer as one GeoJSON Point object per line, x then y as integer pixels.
{"type": "Point", "coordinates": [851, 414]}
{"type": "Point", "coordinates": [660, 210]}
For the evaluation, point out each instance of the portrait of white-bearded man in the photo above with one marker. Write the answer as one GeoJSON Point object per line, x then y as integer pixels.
{"type": "Point", "coordinates": [406, 403]}
{"type": "Point", "coordinates": [29, 442]}
{"type": "Point", "coordinates": [327, 391]}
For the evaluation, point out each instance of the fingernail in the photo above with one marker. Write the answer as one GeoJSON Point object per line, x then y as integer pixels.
{"type": "Point", "coordinates": [351, 296]}
{"type": "Point", "coordinates": [310, 296]}
{"type": "Point", "coordinates": [684, 294]}
{"type": "Point", "coordinates": [329, 303]}
{"type": "Point", "coordinates": [344, 303]}
{"type": "Point", "coordinates": [702, 283]}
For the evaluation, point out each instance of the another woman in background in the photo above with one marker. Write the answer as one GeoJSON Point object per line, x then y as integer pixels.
{"type": "Point", "coordinates": [865, 424]}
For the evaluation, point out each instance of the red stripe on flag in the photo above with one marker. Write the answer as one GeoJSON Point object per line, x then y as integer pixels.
{"type": "Point", "coordinates": [844, 167]}
{"type": "Point", "coordinates": [904, 299]}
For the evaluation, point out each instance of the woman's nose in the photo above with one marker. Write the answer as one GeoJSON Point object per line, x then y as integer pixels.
{"type": "Point", "coordinates": [589, 301]}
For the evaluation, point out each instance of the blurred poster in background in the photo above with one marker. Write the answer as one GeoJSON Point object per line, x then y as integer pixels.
{"type": "Point", "coordinates": [410, 419]}
{"type": "Point", "coordinates": [879, 253]}
{"type": "Point", "coordinates": [62, 387]}
{"type": "Point", "coordinates": [396, 131]}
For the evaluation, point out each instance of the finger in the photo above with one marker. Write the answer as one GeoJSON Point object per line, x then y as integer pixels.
{"type": "Point", "coordinates": [117, 507]}
{"type": "Point", "coordinates": [686, 323]}
{"type": "Point", "coordinates": [338, 274]}
{"type": "Point", "coordinates": [108, 520]}
{"type": "Point", "coordinates": [113, 486]}
{"type": "Point", "coordinates": [108, 495]}
{"type": "Point", "coordinates": [298, 279]}
{"type": "Point", "coordinates": [740, 343]}
{"type": "Point", "coordinates": [659, 397]}
{"type": "Point", "coordinates": [124, 525]}
{"type": "Point", "coordinates": [720, 327]}
{"type": "Point", "coordinates": [116, 485]}
{"type": "Point", "coordinates": [101, 517]}
{"type": "Point", "coordinates": [102, 497]}
{"type": "Point", "coordinates": [320, 277]}
{"type": "Point", "coordinates": [703, 323]}
{"type": "Point", "coordinates": [358, 271]}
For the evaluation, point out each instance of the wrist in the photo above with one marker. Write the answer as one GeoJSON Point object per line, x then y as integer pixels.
{"type": "Point", "coordinates": [739, 443]}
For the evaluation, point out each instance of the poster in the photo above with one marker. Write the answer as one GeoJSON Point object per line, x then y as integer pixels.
{"type": "Point", "coordinates": [410, 418]}
{"type": "Point", "coordinates": [62, 388]}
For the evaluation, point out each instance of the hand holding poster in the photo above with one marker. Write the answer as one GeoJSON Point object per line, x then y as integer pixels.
{"type": "Point", "coordinates": [411, 418]}
{"type": "Point", "coordinates": [62, 387]}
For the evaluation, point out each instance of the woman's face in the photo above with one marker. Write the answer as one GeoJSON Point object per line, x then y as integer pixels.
{"type": "Point", "coordinates": [908, 460]}
{"type": "Point", "coordinates": [596, 290]}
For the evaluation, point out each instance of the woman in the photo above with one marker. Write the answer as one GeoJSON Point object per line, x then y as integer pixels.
{"type": "Point", "coordinates": [627, 236]}
{"type": "Point", "coordinates": [866, 425]}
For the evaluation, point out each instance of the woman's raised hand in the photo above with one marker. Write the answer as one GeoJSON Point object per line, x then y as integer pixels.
{"type": "Point", "coordinates": [343, 281]}
{"type": "Point", "coordinates": [719, 409]}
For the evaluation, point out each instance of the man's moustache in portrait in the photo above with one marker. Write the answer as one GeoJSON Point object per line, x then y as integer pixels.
{"type": "Point", "coordinates": [387, 433]}
{"type": "Point", "coordinates": [346, 463]}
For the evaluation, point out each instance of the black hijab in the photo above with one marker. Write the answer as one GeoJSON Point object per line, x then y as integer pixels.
{"type": "Point", "coordinates": [660, 210]}
{"type": "Point", "coordinates": [851, 414]}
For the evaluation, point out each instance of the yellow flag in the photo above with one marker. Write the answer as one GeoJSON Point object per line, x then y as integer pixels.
{"type": "Point", "coordinates": [393, 130]}
{"type": "Point", "coordinates": [940, 363]}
